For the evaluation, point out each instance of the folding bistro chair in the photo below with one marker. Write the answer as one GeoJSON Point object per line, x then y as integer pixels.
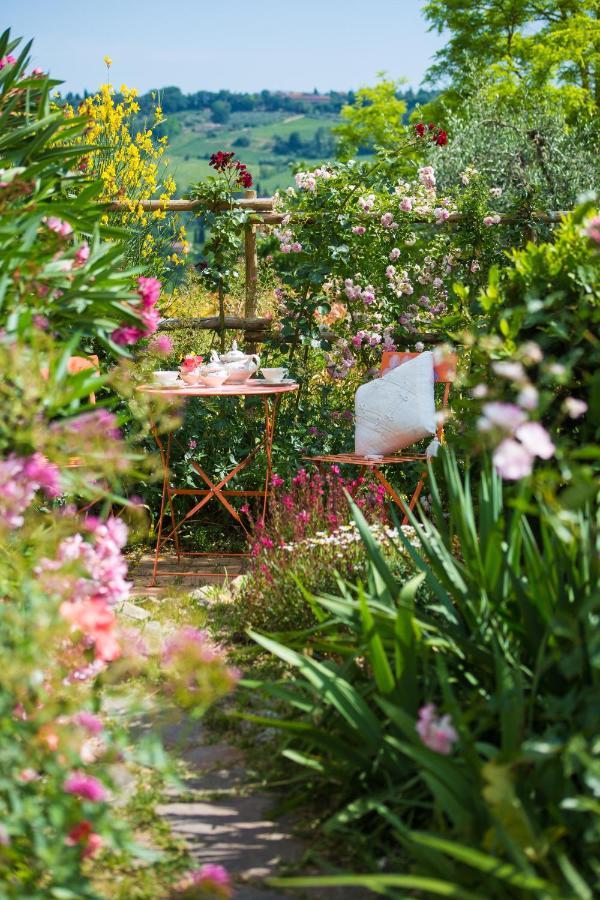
{"type": "Point", "coordinates": [444, 374]}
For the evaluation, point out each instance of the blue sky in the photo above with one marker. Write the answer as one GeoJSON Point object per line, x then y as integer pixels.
{"type": "Point", "coordinates": [274, 44]}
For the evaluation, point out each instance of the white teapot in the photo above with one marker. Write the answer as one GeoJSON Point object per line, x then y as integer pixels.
{"type": "Point", "coordinates": [240, 366]}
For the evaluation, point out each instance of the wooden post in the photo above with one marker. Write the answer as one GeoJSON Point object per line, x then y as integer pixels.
{"type": "Point", "coordinates": [251, 269]}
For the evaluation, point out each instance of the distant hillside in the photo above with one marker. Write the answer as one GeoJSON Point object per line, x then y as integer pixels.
{"type": "Point", "coordinates": [269, 131]}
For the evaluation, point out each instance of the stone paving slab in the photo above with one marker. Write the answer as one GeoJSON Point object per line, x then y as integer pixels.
{"type": "Point", "coordinates": [141, 573]}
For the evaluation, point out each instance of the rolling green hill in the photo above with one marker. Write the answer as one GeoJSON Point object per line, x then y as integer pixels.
{"type": "Point", "coordinates": [266, 141]}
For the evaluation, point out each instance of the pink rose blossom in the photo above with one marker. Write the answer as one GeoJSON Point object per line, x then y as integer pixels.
{"type": "Point", "coordinates": [536, 440]}
{"type": "Point", "coordinates": [491, 220]}
{"type": "Point", "coordinates": [437, 733]}
{"type": "Point", "coordinates": [358, 229]}
{"type": "Point", "coordinates": [85, 786]}
{"type": "Point", "coordinates": [406, 204]}
{"type": "Point", "coordinates": [394, 254]}
{"type": "Point", "coordinates": [387, 220]}
{"type": "Point", "coordinates": [574, 408]}
{"type": "Point", "coordinates": [441, 215]}
{"type": "Point", "coordinates": [512, 460]}
{"type": "Point", "coordinates": [296, 247]}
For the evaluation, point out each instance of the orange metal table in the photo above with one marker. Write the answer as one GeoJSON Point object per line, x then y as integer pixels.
{"type": "Point", "coordinates": [271, 394]}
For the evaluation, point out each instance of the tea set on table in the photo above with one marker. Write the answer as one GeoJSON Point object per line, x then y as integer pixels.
{"type": "Point", "coordinates": [232, 368]}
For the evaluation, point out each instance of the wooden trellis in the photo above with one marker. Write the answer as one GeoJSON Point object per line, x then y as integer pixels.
{"type": "Point", "coordinates": [256, 329]}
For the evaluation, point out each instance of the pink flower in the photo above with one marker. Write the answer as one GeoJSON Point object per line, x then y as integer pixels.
{"type": "Point", "coordinates": [390, 271]}
{"type": "Point", "coordinates": [427, 176]}
{"type": "Point", "coordinates": [358, 229]}
{"type": "Point", "coordinates": [573, 407]}
{"type": "Point", "coordinates": [491, 220]}
{"type": "Point", "coordinates": [83, 834]}
{"type": "Point", "coordinates": [593, 229]}
{"type": "Point", "coordinates": [162, 345]}
{"type": "Point", "coordinates": [7, 60]}
{"type": "Point", "coordinates": [192, 444]}
{"type": "Point", "coordinates": [211, 881]}
{"type": "Point", "coordinates": [83, 254]}
{"type": "Point", "coordinates": [387, 220]}
{"type": "Point", "coordinates": [97, 622]}
{"type": "Point", "coordinates": [475, 266]}
{"type": "Point", "coordinates": [436, 733]}
{"type": "Point", "coordinates": [394, 254]}
{"type": "Point", "coordinates": [296, 247]}
{"type": "Point", "coordinates": [512, 460]}
{"type": "Point", "coordinates": [43, 473]}
{"type": "Point", "coordinates": [276, 480]}
{"type": "Point", "coordinates": [406, 204]}
{"type": "Point", "coordinates": [63, 229]}
{"type": "Point", "coordinates": [88, 721]}
{"type": "Point", "coordinates": [149, 291]}
{"type": "Point", "coordinates": [513, 371]}
{"type": "Point", "coordinates": [440, 214]}
{"type": "Point", "coordinates": [41, 322]}
{"type": "Point", "coordinates": [20, 478]}
{"type": "Point", "coordinates": [506, 416]}
{"type": "Point", "coordinates": [85, 786]}
{"type": "Point", "coordinates": [126, 334]}
{"type": "Point", "coordinates": [528, 397]}
{"type": "Point", "coordinates": [536, 440]}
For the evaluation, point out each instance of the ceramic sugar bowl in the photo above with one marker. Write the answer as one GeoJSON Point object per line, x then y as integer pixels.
{"type": "Point", "coordinates": [240, 366]}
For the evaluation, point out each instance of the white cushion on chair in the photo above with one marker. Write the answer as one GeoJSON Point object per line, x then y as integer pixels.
{"type": "Point", "coordinates": [396, 410]}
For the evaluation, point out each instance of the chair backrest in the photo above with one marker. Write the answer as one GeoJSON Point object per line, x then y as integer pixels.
{"type": "Point", "coordinates": [444, 372]}
{"type": "Point", "coordinates": [80, 363]}
{"type": "Point", "coordinates": [444, 369]}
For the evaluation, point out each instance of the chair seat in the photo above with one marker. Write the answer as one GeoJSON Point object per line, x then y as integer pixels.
{"type": "Point", "coordinates": [355, 459]}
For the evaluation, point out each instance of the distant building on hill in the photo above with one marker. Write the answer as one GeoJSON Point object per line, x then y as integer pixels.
{"type": "Point", "coordinates": [299, 97]}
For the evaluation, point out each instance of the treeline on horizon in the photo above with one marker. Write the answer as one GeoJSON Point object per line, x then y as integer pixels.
{"type": "Point", "coordinates": [223, 103]}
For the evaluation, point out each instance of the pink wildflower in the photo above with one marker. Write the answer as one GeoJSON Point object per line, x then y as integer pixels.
{"type": "Point", "coordinates": [85, 786]}
{"type": "Point", "coordinates": [276, 480]}
{"type": "Point", "coordinates": [436, 733]}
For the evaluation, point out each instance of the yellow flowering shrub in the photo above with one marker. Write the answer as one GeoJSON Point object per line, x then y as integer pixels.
{"type": "Point", "coordinates": [129, 160]}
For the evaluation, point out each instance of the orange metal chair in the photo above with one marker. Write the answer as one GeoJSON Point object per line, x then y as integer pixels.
{"type": "Point", "coordinates": [444, 374]}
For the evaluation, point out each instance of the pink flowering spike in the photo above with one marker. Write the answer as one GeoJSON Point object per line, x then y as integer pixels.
{"type": "Point", "coordinates": [512, 460]}
{"type": "Point", "coordinates": [86, 787]}
{"type": "Point", "coordinates": [536, 440]}
{"type": "Point", "coordinates": [436, 733]}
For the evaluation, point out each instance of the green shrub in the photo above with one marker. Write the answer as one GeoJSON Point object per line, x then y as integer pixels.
{"type": "Point", "coordinates": [508, 649]}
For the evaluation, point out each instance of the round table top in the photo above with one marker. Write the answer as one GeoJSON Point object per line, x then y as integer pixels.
{"type": "Point", "coordinates": [253, 388]}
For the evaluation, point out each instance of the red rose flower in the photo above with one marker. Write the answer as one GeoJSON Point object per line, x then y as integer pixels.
{"type": "Point", "coordinates": [420, 129]}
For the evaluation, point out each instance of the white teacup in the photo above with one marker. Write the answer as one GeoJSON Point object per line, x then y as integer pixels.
{"type": "Point", "coordinates": [213, 379]}
{"type": "Point", "coordinates": [166, 378]}
{"type": "Point", "coordinates": [274, 375]}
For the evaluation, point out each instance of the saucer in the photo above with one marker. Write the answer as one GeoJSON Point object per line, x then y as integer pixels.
{"type": "Point", "coordinates": [277, 383]}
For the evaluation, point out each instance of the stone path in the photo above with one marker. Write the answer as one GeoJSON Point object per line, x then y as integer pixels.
{"type": "Point", "coordinates": [220, 816]}
{"type": "Point", "coordinates": [221, 820]}
{"type": "Point", "coordinates": [141, 571]}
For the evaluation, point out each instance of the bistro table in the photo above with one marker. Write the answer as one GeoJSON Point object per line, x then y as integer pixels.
{"type": "Point", "coordinates": [271, 394]}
